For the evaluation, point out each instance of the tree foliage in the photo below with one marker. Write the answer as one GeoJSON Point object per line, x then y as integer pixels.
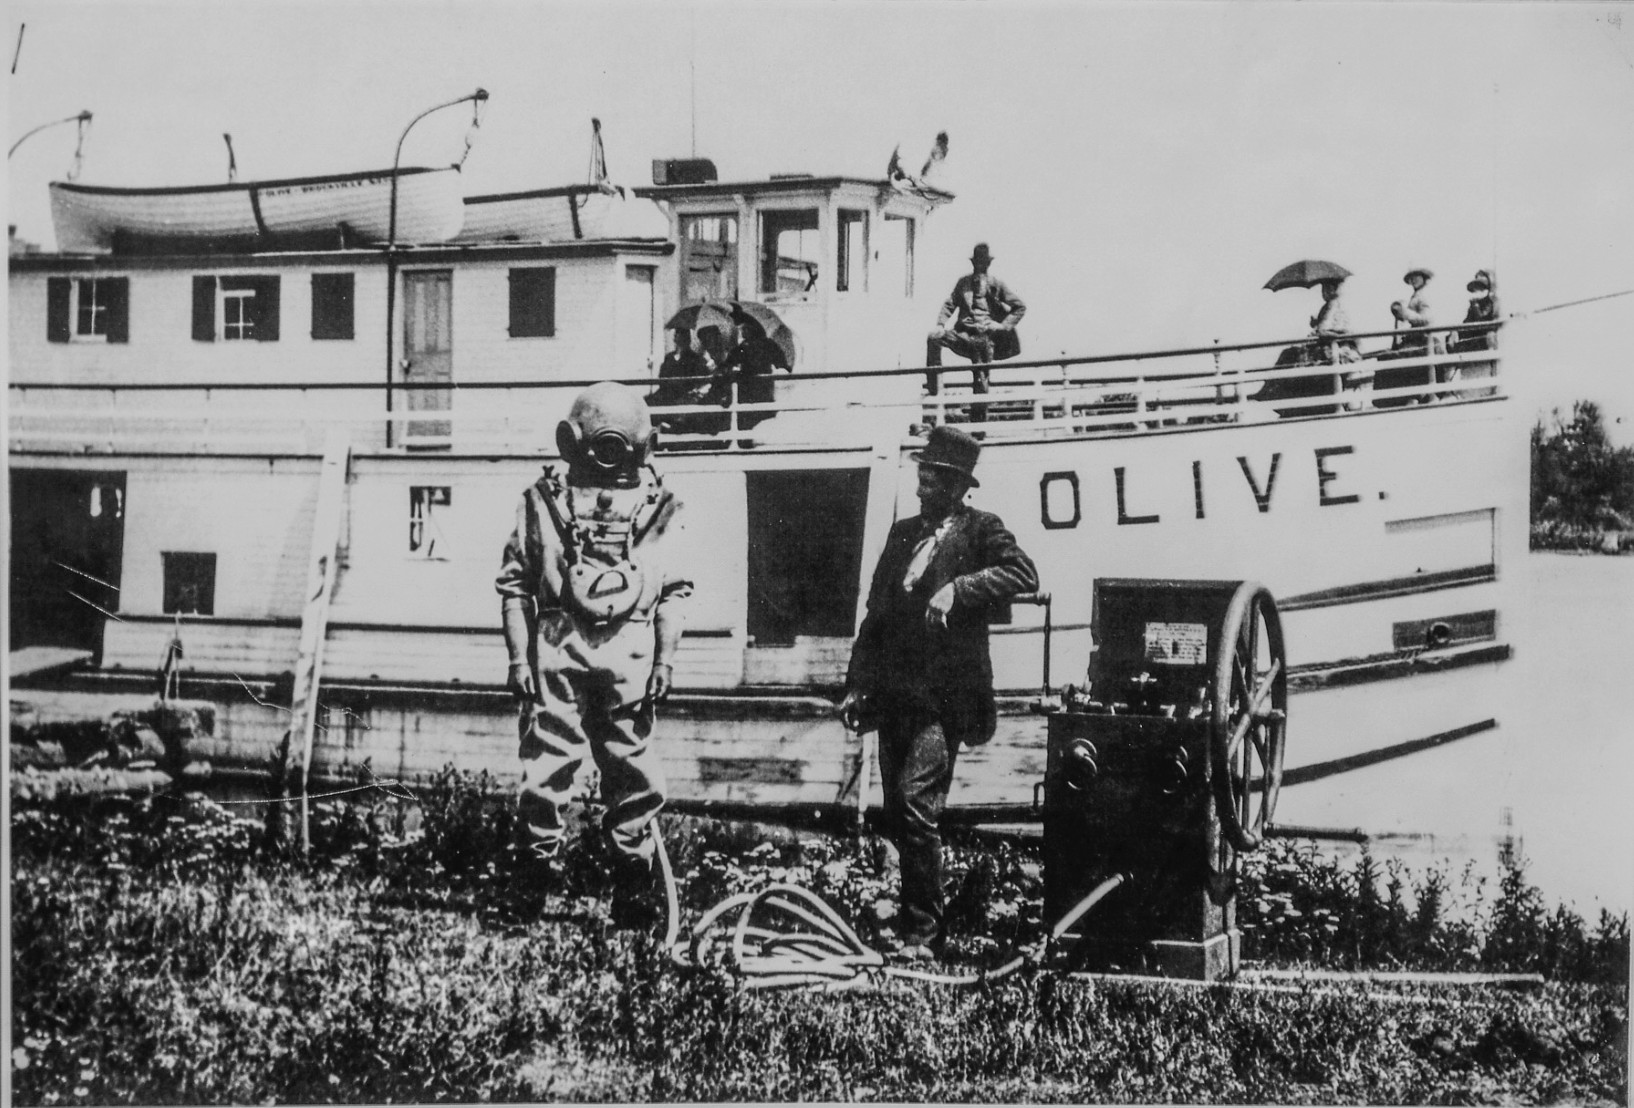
{"type": "Point", "coordinates": [1582, 485]}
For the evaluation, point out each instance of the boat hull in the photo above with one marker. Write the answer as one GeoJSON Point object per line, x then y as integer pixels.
{"type": "Point", "coordinates": [89, 218]}
{"type": "Point", "coordinates": [561, 215]}
{"type": "Point", "coordinates": [1370, 530]}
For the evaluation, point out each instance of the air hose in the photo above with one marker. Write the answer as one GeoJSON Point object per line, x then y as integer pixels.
{"type": "Point", "coordinates": [784, 936]}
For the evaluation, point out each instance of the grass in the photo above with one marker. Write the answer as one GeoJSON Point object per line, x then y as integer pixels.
{"type": "Point", "coordinates": [165, 952]}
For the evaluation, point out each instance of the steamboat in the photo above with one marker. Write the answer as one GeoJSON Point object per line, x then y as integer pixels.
{"type": "Point", "coordinates": [275, 473]}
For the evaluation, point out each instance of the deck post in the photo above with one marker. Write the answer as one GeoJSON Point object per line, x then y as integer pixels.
{"type": "Point", "coordinates": [320, 586]}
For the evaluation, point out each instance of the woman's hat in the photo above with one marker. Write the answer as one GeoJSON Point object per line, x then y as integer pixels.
{"type": "Point", "coordinates": [1482, 280]}
{"type": "Point", "coordinates": [1426, 274]}
{"type": "Point", "coordinates": [951, 448]}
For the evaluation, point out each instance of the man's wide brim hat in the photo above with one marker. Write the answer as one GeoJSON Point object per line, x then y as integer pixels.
{"type": "Point", "coordinates": [981, 253]}
{"type": "Point", "coordinates": [1424, 273]}
{"type": "Point", "coordinates": [951, 448]}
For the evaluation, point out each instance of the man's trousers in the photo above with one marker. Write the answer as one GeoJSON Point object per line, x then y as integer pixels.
{"type": "Point", "coordinates": [576, 714]}
{"type": "Point", "coordinates": [916, 770]}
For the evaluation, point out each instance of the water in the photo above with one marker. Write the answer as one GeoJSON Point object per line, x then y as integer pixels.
{"type": "Point", "coordinates": [1555, 778]}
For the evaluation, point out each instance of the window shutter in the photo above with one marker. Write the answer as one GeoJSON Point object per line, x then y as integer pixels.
{"type": "Point", "coordinates": [332, 299]}
{"type": "Point", "coordinates": [57, 303]}
{"type": "Point", "coordinates": [533, 302]}
{"type": "Point", "coordinates": [204, 309]}
{"type": "Point", "coordinates": [116, 292]}
{"type": "Point", "coordinates": [266, 309]}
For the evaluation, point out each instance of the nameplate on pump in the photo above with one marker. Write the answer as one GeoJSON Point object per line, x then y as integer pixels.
{"type": "Point", "coordinates": [1177, 644]}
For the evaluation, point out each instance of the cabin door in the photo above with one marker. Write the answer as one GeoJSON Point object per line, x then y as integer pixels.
{"type": "Point", "coordinates": [637, 324]}
{"type": "Point", "coordinates": [805, 565]}
{"type": "Point", "coordinates": [428, 352]}
{"type": "Point", "coordinates": [67, 539]}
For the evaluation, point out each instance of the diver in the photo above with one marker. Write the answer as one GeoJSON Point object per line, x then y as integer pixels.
{"type": "Point", "coordinates": [591, 611]}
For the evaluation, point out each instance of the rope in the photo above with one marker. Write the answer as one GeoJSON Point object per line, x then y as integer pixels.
{"type": "Point", "coordinates": [471, 132]}
{"type": "Point", "coordinates": [784, 936]}
{"type": "Point", "coordinates": [79, 149]}
{"type": "Point", "coordinates": [385, 786]}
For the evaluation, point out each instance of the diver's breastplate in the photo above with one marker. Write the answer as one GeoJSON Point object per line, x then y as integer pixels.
{"type": "Point", "coordinates": [604, 579]}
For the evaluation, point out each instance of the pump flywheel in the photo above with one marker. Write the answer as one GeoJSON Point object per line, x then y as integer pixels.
{"type": "Point", "coordinates": [1250, 716]}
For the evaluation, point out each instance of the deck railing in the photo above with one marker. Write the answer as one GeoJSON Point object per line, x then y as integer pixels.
{"type": "Point", "coordinates": [1096, 395]}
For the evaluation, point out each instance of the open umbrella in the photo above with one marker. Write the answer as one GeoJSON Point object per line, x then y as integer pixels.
{"type": "Point", "coordinates": [1302, 275]}
{"type": "Point", "coordinates": [773, 325]}
{"type": "Point", "coordinates": [726, 315]}
{"type": "Point", "coordinates": [709, 313]}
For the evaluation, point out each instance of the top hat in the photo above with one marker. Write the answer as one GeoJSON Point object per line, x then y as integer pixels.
{"type": "Point", "coordinates": [951, 448]}
{"type": "Point", "coordinates": [981, 253]}
{"type": "Point", "coordinates": [1426, 274]}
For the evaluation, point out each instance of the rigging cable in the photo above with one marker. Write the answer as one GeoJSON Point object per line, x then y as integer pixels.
{"type": "Point", "coordinates": [1572, 303]}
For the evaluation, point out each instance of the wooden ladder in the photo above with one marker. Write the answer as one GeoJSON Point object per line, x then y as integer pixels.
{"type": "Point", "coordinates": [320, 586]}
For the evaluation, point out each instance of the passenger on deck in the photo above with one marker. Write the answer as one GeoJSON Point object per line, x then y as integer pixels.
{"type": "Point", "coordinates": [985, 312]}
{"type": "Point", "coordinates": [1480, 334]}
{"type": "Point", "coordinates": [1329, 346]}
{"type": "Point", "coordinates": [1415, 342]}
{"type": "Point", "coordinates": [683, 375]}
{"type": "Point", "coordinates": [751, 364]}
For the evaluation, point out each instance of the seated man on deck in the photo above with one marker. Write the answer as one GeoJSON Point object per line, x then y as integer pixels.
{"type": "Point", "coordinates": [985, 312]}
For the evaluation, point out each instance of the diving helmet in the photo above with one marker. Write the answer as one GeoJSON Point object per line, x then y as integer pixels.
{"type": "Point", "coordinates": [608, 433]}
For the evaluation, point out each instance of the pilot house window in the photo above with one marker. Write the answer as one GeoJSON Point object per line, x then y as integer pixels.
{"type": "Point", "coordinates": [788, 251]}
{"type": "Point", "coordinates": [851, 255]}
{"type": "Point", "coordinates": [709, 257]}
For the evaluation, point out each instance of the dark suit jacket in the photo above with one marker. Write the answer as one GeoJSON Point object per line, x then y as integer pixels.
{"type": "Point", "coordinates": [900, 662]}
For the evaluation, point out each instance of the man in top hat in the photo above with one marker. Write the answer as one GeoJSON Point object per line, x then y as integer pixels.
{"type": "Point", "coordinates": [984, 311]}
{"type": "Point", "coordinates": [920, 668]}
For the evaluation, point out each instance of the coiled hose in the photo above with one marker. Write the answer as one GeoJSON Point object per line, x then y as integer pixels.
{"type": "Point", "coordinates": [784, 936]}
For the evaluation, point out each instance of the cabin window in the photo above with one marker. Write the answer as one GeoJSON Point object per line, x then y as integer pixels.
{"type": "Point", "coordinates": [788, 251]}
{"type": "Point", "coordinates": [851, 252]}
{"type": "Point", "coordinates": [88, 309]}
{"type": "Point", "coordinates": [894, 253]}
{"type": "Point", "coordinates": [190, 582]}
{"type": "Point", "coordinates": [533, 302]}
{"type": "Point", "coordinates": [235, 309]}
{"type": "Point", "coordinates": [427, 506]}
{"type": "Point", "coordinates": [709, 257]}
{"type": "Point", "coordinates": [332, 299]}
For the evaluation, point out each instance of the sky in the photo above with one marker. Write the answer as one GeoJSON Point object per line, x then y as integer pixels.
{"type": "Point", "coordinates": [1139, 172]}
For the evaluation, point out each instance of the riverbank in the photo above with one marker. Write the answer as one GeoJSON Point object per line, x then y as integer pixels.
{"type": "Point", "coordinates": [163, 953]}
